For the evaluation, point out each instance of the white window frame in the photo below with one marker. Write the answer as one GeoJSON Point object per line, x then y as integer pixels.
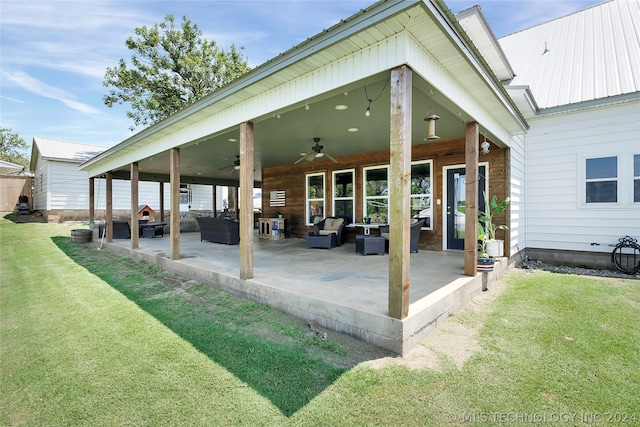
{"type": "Point", "coordinates": [635, 178]}
{"type": "Point", "coordinates": [352, 198]}
{"type": "Point", "coordinates": [366, 198]}
{"type": "Point", "coordinates": [309, 200]}
{"type": "Point", "coordinates": [430, 195]}
{"type": "Point", "coordinates": [625, 181]}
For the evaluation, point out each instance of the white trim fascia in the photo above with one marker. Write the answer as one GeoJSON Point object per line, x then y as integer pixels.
{"type": "Point", "coordinates": [617, 99]}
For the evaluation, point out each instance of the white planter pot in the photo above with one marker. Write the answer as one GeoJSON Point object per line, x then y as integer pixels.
{"type": "Point", "coordinates": [495, 248]}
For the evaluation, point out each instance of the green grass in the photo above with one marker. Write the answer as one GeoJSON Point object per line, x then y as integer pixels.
{"type": "Point", "coordinates": [91, 338]}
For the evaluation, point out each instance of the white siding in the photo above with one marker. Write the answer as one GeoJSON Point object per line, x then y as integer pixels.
{"type": "Point", "coordinates": [68, 186]}
{"type": "Point", "coordinates": [40, 185]}
{"type": "Point", "coordinates": [557, 146]}
{"type": "Point", "coordinates": [518, 205]}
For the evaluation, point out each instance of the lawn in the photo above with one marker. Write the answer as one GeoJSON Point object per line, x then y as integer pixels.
{"type": "Point", "coordinates": [90, 338]}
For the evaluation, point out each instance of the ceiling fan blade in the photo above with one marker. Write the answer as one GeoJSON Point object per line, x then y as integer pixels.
{"type": "Point", "coordinates": [331, 157]}
{"type": "Point", "coordinates": [224, 168]}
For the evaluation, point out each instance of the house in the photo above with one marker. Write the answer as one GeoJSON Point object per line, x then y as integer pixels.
{"type": "Point", "coordinates": [405, 110]}
{"type": "Point", "coordinates": [61, 189]}
{"type": "Point", "coordinates": [578, 85]}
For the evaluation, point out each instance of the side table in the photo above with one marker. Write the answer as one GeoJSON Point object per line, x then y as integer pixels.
{"type": "Point", "coordinates": [367, 245]}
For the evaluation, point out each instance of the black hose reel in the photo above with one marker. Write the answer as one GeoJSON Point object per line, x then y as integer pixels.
{"type": "Point", "coordinates": [626, 255]}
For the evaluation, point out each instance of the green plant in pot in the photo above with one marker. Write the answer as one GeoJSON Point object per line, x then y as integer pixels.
{"type": "Point", "coordinates": [489, 245]}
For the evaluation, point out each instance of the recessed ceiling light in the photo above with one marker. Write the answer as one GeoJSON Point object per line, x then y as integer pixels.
{"type": "Point", "coordinates": [232, 140]}
{"type": "Point", "coordinates": [353, 129]}
{"type": "Point", "coordinates": [341, 107]}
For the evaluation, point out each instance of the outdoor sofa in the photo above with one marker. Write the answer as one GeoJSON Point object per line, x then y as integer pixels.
{"type": "Point", "coordinates": [219, 230]}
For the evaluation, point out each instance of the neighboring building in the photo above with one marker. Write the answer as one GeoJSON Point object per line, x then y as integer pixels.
{"type": "Point", "coordinates": [61, 189]}
{"type": "Point", "coordinates": [14, 183]}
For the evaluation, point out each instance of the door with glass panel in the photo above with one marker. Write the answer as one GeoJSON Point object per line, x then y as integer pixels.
{"type": "Point", "coordinates": [456, 199]}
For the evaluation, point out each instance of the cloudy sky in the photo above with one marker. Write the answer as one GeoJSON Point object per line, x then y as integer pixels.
{"type": "Point", "coordinates": [54, 54]}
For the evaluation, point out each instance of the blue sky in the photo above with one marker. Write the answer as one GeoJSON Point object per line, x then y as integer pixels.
{"type": "Point", "coordinates": [54, 54]}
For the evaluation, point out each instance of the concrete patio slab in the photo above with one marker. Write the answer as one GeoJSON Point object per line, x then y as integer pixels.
{"type": "Point", "coordinates": [338, 288]}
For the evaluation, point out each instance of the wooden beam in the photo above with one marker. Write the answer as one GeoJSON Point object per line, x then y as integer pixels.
{"type": "Point", "coordinates": [134, 206]}
{"type": "Point", "coordinates": [471, 206]}
{"type": "Point", "coordinates": [92, 200]}
{"type": "Point", "coordinates": [161, 201]}
{"type": "Point", "coordinates": [214, 198]}
{"type": "Point", "coordinates": [109, 206]}
{"type": "Point", "coordinates": [174, 222]}
{"type": "Point", "coordinates": [246, 200]}
{"type": "Point", "coordinates": [400, 191]}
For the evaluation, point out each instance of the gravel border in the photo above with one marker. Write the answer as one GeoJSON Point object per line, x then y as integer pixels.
{"type": "Point", "coordinates": [533, 264]}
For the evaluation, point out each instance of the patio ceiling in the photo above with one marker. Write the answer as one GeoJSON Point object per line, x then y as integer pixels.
{"type": "Point", "coordinates": [283, 137]}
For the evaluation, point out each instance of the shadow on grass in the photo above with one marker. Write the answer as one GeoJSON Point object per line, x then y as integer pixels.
{"type": "Point", "coordinates": [268, 350]}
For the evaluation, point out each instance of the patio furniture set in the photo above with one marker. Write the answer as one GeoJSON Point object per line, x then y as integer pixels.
{"type": "Point", "coordinates": [329, 233]}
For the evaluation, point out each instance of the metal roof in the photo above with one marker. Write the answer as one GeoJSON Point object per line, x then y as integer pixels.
{"type": "Point", "coordinates": [589, 55]}
{"type": "Point", "coordinates": [53, 149]}
{"type": "Point", "coordinates": [8, 168]}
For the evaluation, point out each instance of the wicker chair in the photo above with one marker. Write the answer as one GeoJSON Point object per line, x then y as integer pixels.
{"type": "Point", "coordinates": [414, 228]}
{"type": "Point", "coordinates": [331, 224]}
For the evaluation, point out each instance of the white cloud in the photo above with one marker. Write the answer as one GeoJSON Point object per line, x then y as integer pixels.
{"type": "Point", "coordinates": [30, 84]}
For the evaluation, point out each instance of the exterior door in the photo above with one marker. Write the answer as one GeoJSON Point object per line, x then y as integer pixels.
{"type": "Point", "coordinates": [456, 199]}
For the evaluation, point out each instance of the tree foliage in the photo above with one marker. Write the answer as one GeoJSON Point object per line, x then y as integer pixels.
{"type": "Point", "coordinates": [170, 68]}
{"type": "Point", "coordinates": [12, 148]}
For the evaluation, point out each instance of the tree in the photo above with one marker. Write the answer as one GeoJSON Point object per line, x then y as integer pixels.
{"type": "Point", "coordinates": [170, 68]}
{"type": "Point", "coordinates": [12, 148]}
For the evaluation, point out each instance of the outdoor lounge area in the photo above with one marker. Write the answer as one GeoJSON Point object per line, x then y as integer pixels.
{"type": "Point", "coordinates": [339, 288]}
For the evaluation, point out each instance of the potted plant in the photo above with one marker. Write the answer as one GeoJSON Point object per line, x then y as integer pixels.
{"type": "Point", "coordinates": [485, 262]}
{"type": "Point", "coordinates": [491, 246]}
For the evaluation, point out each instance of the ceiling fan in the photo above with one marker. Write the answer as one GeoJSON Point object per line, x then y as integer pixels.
{"type": "Point", "coordinates": [316, 153]}
{"type": "Point", "coordinates": [232, 167]}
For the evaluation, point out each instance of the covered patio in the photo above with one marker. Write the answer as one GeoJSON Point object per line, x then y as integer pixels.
{"type": "Point", "coordinates": [338, 288]}
{"type": "Point", "coordinates": [368, 89]}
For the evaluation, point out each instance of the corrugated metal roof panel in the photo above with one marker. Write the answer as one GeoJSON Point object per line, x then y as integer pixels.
{"type": "Point", "coordinates": [588, 55]}
{"type": "Point", "coordinates": [54, 149]}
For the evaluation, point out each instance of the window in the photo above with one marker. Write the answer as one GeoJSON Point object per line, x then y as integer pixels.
{"type": "Point", "coordinates": [602, 180]}
{"type": "Point", "coordinates": [343, 195]}
{"type": "Point", "coordinates": [636, 178]}
{"type": "Point", "coordinates": [421, 190]}
{"type": "Point", "coordinates": [315, 198]}
{"type": "Point", "coordinates": [376, 194]}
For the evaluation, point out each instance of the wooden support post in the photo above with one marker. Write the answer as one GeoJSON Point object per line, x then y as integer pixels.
{"type": "Point", "coordinates": [134, 206]}
{"type": "Point", "coordinates": [246, 200]}
{"type": "Point", "coordinates": [109, 206]}
{"type": "Point", "coordinates": [174, 222]}
{"type": "Point", "coordinates": [471, 208]}
{"type": "Point", "coordinates": [92, 200]}
{"type": "Point", "coordinates": [214, 198]}
{"type": "Point", "coordinates": [400, 191]}
{"type": "Point", "coordinates": [161, 201]}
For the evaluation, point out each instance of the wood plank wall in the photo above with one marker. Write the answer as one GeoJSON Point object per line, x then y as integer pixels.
{"type": "Point", "coordinates": [291, 178]}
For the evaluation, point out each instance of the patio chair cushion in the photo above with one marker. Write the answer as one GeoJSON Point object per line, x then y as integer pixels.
{"type": "Point", "coordinates": [331, 225]}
